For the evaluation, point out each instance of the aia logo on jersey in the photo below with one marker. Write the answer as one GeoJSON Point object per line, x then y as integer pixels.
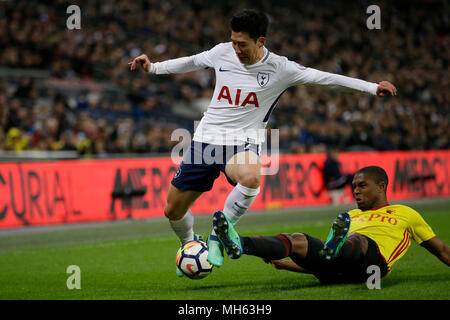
{"type": "Point", "coordinates": [263, 78]}
{"type": "Point", "coordinates": [236, 99]}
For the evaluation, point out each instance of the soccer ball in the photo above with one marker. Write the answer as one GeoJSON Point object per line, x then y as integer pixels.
{"type": "Point", "coordinates": [192, 260]}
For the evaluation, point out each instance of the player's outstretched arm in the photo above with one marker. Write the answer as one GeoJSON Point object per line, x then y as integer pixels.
{"type": "Point", "coordinates": [438, 247]}
{"type": "Point", "coordinates": [299, 75]}
{"type": "Point", "coordinates": [385, 88]}
{"type": "Point", "coordinates": [141, 60]}
{"type": "Point", "coordinates": [287, 265]}
{"type": "Point", "coordinates": [173, 66]}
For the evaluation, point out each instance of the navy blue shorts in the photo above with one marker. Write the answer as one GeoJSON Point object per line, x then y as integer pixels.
{"type": "Point", "coordinates": [202, 164]}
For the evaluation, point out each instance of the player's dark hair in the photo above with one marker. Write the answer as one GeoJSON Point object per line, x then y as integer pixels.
{"type": "Point", "coordinates": [377, 174]}
{"type": "Point", "coordinates": [253, 22]}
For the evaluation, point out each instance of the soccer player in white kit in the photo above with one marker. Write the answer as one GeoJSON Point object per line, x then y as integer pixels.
{"type": "Point", "coordinates": [249, 82]}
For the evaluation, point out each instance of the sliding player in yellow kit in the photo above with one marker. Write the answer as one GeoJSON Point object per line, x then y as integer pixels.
{"type": "Point", "coordinates": [376, 233]}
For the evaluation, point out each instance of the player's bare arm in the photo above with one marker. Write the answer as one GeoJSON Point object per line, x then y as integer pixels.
{"type": "Point", "coordinates": [289, 265]}
{"type": "Point", "coordinates": [438, 247]}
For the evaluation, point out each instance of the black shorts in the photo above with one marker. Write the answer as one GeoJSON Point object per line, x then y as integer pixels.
{"type": "Point", "coordinates": [341, 270]}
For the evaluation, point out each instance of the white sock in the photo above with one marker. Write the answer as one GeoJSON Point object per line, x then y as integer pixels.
{"type": "Point", "coordinates": [184, 228]}
{"type": "Point", "coordinates": [238, 202]}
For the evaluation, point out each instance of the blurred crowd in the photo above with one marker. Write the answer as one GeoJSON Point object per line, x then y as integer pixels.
{"type": "Point", "coordinates": [412, 50]}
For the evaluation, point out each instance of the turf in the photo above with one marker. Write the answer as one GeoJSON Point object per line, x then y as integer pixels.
{"type": "Point", "coordinates": [136, 260]}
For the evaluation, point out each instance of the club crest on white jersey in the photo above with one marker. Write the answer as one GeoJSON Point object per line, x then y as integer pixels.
{"type": "Point", "coordinates": [263, 78]}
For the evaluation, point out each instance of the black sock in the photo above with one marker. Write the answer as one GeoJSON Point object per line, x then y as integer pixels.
{"type": "Point", "coordinates": [267, 247]}
{"type": "Point", "coordinates": [351, 249]}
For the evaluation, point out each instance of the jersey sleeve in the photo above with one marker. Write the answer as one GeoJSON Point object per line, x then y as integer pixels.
{"type": "Point", "coordinates": [297, 74]}
{"type": "Point", "coordinates": [195, 62]}
{"type": "Point", "coordinates": [418, 228]}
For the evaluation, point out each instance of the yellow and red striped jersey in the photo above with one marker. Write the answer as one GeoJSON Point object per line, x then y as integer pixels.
{"type": "Point", "coordinates": [391, 227]}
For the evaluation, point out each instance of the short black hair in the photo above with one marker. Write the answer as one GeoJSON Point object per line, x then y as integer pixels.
{"type": "Point", "coordinates": [253, 22]}
{"type": "Point", "coordinates": [377, 174]}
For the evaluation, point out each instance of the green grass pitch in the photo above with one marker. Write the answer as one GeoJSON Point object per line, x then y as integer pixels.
{"type": "Point", "coordinates": [136, 260]}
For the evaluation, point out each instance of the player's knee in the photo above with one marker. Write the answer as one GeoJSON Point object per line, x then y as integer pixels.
{"type": "Point", "coordinates": [250, 181]}
{"type": "Point", "coordinates": [167, 211]}
{"type": "Point", "coordinates": [358, 240]}
{"type": "Point", "coordinates": [298, 237]}
{"type": "Point", "coordinates": [288, 236]}
{"type": "Point", "coordinates": [299, 244]}
{"type": "Point", "coordinates": [171, 213]}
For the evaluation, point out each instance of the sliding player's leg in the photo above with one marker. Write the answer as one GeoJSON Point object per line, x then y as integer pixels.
{"type": "Point", "coordinates": [266, 247]}
{"type": "Point", "coordinates": [304, 251]}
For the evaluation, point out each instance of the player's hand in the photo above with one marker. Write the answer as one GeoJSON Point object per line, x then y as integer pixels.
{"type": "Point", "coordinates": [385, 88]}
{"type": "Point", "coordinates": [142, 60]}
{"type": "Point", "coordinates": [277, 264]}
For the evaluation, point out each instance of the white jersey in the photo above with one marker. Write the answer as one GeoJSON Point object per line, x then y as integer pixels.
{"type": "Point", "coordinates": [245, 95]}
